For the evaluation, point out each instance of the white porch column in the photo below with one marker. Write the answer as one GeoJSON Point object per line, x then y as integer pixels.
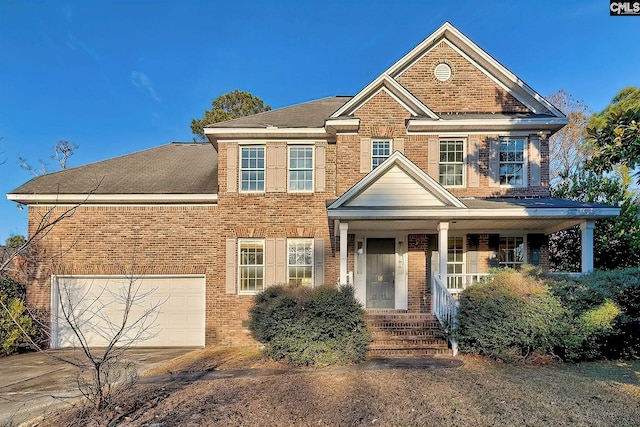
{"type": "Point", "coordinates": [443, 249]}
{"type": "Point", "coordinates": [344, 227]}
{"type": "Point", "coordinates": [587, 245]}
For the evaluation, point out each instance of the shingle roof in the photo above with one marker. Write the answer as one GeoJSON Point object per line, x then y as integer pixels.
{"type": "Point", "coordinates": [176, 168]}
{"type": "Point", "coordinates": [529, 203]}
{"type": "Point", "coordinates": [310, 114]}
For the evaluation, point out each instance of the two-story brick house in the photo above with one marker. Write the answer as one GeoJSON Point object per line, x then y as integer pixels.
{"type": "Point", "coordinates": [432, 173]}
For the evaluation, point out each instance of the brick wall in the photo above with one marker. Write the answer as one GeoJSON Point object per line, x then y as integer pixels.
{"type": "Point", "coordinates": [468, 89]}
{"type": "Point", "coordinates": [268, 215]}
{"type": "Point", "coordinates": [419, 291]}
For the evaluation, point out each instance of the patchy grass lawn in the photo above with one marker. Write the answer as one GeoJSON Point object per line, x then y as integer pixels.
{"type": "Point", "coordinates": [194, 391]}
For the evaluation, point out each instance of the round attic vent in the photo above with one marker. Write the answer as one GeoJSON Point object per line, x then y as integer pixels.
{"type": "Point", "coordinates": [442, 72]}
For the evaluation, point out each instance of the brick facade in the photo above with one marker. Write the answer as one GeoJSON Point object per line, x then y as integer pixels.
{"type": "Point", "coordinates": [190, 239]}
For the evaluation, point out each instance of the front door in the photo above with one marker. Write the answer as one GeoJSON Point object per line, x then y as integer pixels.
{"type": "Point", "coordinates": [381, 256]}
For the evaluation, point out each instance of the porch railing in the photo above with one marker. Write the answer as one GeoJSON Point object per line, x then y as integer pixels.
{"type": "Point", "coordinates": [445, 308]}
{"type": "Point", "coordinates": [457, 283]}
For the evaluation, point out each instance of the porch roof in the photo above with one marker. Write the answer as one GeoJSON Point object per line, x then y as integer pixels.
{"type": "Point", "coordinates": [545, 215]}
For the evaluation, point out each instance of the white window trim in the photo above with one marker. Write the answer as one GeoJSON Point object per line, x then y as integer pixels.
{"type": "Point", "coordinates": [313, 168]}
{"type": "Point", "coordinates": [464, 161]}
{"type": "Point", "coordinates": [525, 161]}
{"type": "Point", "coordinates": [240, 265]}
{"type": "Point", "coordinates": [313, 261]}
{"type": "Point", "coordinates": [374, 140]}
{"type": "Point", "coordinates": [264, 149]}
{"type": "Point", "coordinates": [524, 243]}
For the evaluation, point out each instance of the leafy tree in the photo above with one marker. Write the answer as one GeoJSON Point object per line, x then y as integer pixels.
{"type": "Point", "coordinates": [627, 99]}
{"type": "Point", "coordinates": [617, 143]}
{"type": "Point", "coordinates": [614, 133]}
{"type": "Point", "coordinates": [567, 148]}
{"type": "Point", "coordinates": [616, 240]}
{"type": "Point", "coordinates": [229, 106]}
{"type": "Point", "coordinates": [15, 241]}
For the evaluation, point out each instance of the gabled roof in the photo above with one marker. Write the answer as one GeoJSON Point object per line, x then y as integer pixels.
{"type": "Point", "coordinates": [171, 169]}
{"type": "Point", "coordinates": [425, 192]}
{"type": "Point", "coordinates": [483, 61]}
{"type": "Point", "coordinates": [393, 88]}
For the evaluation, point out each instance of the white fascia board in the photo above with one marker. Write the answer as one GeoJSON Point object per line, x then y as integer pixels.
{"type": "Point", "coordinates": [393, 89]}
{"type": "Point", "coordinates": [392, 95]}
{"type": "Point", "coordinates": [342, 125]}
{"type": "Point", "coordinates": [460, 214]}
{"type": "Point", "coordinates": [416, 51]}
{"type": "Point", "coordinates": [534, 124]}
{"type": "Point", "coordinates": [270, 132]}
{"type": "Point", "coordinates": [29, 199]}
{"type": "Point", "coordinates": [503, 70]}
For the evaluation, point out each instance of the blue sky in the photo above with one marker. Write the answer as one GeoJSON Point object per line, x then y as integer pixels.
{"type": "Point", "coordinates": [121, 76]}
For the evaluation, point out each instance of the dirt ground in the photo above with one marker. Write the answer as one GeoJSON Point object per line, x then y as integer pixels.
{"type": "Point", "coordinates": [231, 387]}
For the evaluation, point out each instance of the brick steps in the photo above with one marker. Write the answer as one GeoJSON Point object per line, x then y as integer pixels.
{"type": "Point", "coordinates": [401, 334]}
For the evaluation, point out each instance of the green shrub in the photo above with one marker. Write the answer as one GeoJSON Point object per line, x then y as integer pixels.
{"type": "Point", "coordinates": [305, 326]}
{"type": "Point", "coordinates": [510, 317]}
{"type": "Point", "coordinates": [599, 292]}
{"type": "Point", "coordinates": [15, 321]}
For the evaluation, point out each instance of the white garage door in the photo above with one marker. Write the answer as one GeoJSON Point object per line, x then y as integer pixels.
{"type": "Point", "coordinates": [97, 303]}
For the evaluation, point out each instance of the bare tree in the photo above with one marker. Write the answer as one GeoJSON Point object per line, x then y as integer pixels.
{"type": "Point", "coordinates": [567, 148]}
{"type": "Point", "coordinates": [99, 371]}
{"type": "Point", "coordinates": [84, 311]}
{"type": "Point", "coordinates": [62, 150]}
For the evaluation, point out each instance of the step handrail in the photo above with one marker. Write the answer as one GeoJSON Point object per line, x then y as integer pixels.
{"type": "Point", "coordinates": [445, 308]}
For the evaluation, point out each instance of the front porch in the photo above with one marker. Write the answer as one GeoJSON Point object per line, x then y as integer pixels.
{"type": "Point", "coordinates": [391, 264]}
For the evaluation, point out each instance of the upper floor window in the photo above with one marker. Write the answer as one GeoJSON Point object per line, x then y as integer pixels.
{"type": "Point", "coordinates": [513, 161]}
{"type": "Point", "coordinates": [380, 150]}
{"type": "Point", "coordinates": [300, 168]}
{"type": "Point", "coordinates": [511, 252]}
{"type": "Point", "coordinates": [252, 169]}
{"type": "Point", "coordinates": [452, 162]}
{"type": "Point", "coordinates": [251, 265]}
{"type": "Point", "coordinates": [300, 261]}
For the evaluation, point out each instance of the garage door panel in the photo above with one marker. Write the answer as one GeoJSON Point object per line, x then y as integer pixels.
{"type": "Point", "coordinates": [99, 307]}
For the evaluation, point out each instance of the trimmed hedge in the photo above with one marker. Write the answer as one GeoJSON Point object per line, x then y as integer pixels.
{"type": "Point", "coordinates": [305, 326]}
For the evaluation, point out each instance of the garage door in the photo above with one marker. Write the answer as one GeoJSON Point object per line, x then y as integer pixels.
{"type": "Point", "coordinates": [97, 303]}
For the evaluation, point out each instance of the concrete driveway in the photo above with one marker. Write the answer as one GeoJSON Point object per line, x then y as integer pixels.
{"type": "Point", "coordinates": [32, 384]}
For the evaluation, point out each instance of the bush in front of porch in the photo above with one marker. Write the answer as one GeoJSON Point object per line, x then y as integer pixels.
{"type": "Point", "coordinates": [314, 327]}
{"type": "Point", "coordinates": [509, 317]}
{"type": "Point", "coordinates": [516, 314]}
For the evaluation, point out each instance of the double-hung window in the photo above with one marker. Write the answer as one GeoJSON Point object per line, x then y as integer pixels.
{"type": "Point", "coordinates": [251, 265]}
{"type": "Point", "coordinates": [300, 261]}
{"type": "Point", "coordinates": [252, 169]}
{"type": "Point", "coordinates": [300, 168]}
{"type": "Point", "coordinates": [452, 162]}
{"type": "Point", "coordinates": [513, 161]}
{"type": "Point", "coordinates": [380, 150]}
{"type": "Point", "coordinates": [511, 252]}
